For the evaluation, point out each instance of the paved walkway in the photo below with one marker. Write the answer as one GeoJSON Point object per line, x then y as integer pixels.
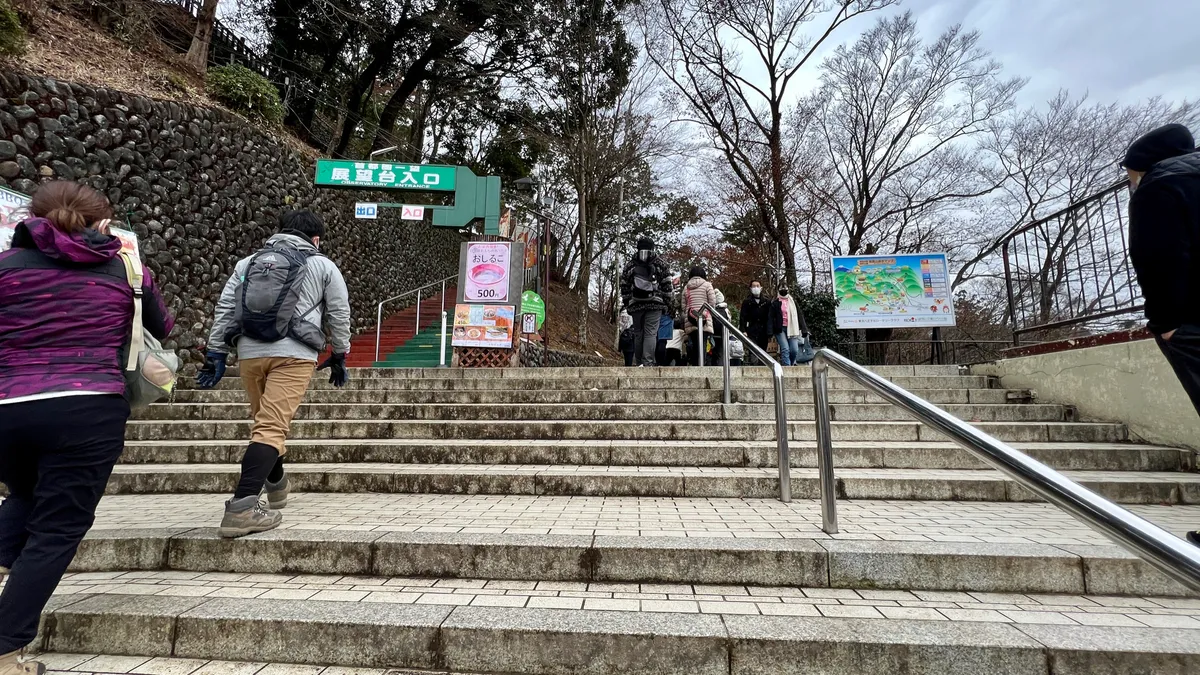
{"type": "Point", "coordinates": [639, 516]}
{"type": "Point", "coordinates": [679, 598]}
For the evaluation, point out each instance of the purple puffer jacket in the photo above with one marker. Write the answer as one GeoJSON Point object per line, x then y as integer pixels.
{"type": "Point", "coordinates": [65, 313]}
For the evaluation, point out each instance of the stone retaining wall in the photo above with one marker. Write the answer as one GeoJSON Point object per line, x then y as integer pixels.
{"type": "Point", "coordinates": [531, 357]}
{"type": "Point", "coordinates": [203, 188]}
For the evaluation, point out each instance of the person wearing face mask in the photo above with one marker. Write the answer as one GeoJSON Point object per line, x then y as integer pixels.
{"type": "Point", "coordinates": [646, 293]}
{"type": "Point", "coordinates": [272, 310]}
{"type": "Point", "coordinates": [755, 316]}
{"type": "Point", "coordinates": [787, 325]}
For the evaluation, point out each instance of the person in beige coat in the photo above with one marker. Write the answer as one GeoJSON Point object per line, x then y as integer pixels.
{"type": "Point", "coordinates": [699, 290]}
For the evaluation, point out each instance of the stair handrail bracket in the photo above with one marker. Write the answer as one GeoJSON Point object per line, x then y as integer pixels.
{"type": "Point", "coordinates": [1173, 556]}
{"type": "Point", "coordinates": [781, 424]}
{"type": "Point", "coordinates": [405, 294]}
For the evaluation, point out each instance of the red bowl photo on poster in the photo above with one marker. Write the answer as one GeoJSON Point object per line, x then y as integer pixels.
{"type": "Point", "coordinates": [487, 274]}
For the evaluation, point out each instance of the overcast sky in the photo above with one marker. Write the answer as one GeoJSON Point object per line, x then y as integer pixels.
{"type": "Point", "coordinates": [1118, 50]}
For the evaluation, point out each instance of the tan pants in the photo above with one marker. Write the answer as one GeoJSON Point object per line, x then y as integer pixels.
{"type": "Point", "coordinates": [275, 386]}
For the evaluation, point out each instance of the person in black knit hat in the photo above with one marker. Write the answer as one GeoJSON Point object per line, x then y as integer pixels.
{"type": "Point", "coordinates": [646, 295]}
{"type": "Point", "coordinates": [1164, 247]}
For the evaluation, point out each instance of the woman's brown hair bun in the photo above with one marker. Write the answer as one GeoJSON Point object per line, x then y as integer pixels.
{"type": "Point", "coordinates": [70, 206]}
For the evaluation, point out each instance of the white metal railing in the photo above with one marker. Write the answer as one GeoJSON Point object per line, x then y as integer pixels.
{"type": "Point", "coordinates": [417, 326]}
{"type": "Point", "coordinates": [1170, 554]}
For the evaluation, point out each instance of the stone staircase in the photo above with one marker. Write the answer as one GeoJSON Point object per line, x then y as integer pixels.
{"type": "Point", "coordinates": [624, 521]}
{"type": "Point", "coordinates": [406, 339]}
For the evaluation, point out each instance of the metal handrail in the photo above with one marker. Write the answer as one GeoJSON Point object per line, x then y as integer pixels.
{"type": "Point", "coordinates": [1170, 554]}
{"type": "Point", "coordinates": [781, 425]}
{"type": "Point", "coordinates": [405, 294]}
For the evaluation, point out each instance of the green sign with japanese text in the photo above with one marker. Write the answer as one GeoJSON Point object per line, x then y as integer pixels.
{"type": "Point", "coordinates": [385, 175]}
{"type": "Point", "coordinates": [532, 303]}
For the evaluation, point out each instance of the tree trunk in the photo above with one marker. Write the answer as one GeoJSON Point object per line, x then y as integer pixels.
{"type": "Point", "coordinates": [197, 56]}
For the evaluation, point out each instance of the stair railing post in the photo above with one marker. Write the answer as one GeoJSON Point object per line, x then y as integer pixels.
{"type": "Point", "coordinates": [378, 327]}
{"type": "Point", "coordinates": [700, 342]}
{"type": "Point", "coordinates": [417, 326]}
{"type": "Point", "coordinates": [781, 435]}
{"type": "Point", "coordinates": [728, 397]}
{"type": "Point", "coordinates": [820, 381]}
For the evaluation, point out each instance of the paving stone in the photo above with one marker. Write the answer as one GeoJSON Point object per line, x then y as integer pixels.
{"type": "Point", "coordinates": [938, 565]}
{"type": "Point", "coordinates": [779, 562]}
{"type": "Point", "coordinates": [1094, 650]}
{"type": "Point", "coordinates": [311, 632]}
{"type": "Point", "coordinates": [118, 624]}
{"type": "Point", "coordinates": [280, 550]}
{"type": "Point", "coordinates": [482, 639]}
{"type": "Point", "coordinates": [767, 644]}
{"type": "Point", "coordinates": [507, 556]}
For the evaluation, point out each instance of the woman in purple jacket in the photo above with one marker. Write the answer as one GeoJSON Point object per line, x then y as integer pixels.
{"type": "Point", "coordinates": [66, 311]}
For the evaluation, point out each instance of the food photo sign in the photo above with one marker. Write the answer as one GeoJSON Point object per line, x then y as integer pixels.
{"type": "Point", "coordinates": [483, 326]}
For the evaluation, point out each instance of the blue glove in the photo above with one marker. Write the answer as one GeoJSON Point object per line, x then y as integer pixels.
{"type": "Point", "coordinates": [213, 370]}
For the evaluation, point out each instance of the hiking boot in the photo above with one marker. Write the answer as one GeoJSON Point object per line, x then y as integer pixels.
{"type": "Point", "coordinates": [277, 493]}
{"type": "Point", "coordinates": [12, 664]}
{"type": "Point", "coordinates": [246, 516]}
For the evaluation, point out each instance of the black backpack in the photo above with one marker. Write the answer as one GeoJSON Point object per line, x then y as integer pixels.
{"type": "Point", "coordinates": [267, 295]}
{"type": "Point", "coordinates": [643, 281]}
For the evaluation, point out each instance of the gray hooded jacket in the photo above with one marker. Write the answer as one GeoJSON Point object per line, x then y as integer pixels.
{"type": "Point", "coordinates": [323, 291]}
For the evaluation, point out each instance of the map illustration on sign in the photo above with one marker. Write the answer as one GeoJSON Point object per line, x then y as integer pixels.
{"type": "Point", "coordinates": [896, 291]}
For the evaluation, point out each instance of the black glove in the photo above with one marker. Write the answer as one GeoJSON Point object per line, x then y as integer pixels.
{"type": "Point", "coordinates": [338, 374]}
{"type": "Point", "coordinates": [213, 370]}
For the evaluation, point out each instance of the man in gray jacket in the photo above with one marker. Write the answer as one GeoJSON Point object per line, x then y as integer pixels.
{"type": "Point", "coordinates": [280, 296]}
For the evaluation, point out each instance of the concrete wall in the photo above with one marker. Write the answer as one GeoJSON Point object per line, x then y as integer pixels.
{"type": "Point", "coordinates": [1129, 382]}
{"type": "Point", "coordinates": [202, 188]}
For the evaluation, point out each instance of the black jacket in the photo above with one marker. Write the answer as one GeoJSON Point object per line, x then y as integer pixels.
{"type": "Point", "coordinates": [1164, 242]}
{"type": "Point", "coordinates": [775, 321]}
{"type": "Point", "coordinates": [755, 316]}
{"type": "Point", "coordinates": [662, 278]}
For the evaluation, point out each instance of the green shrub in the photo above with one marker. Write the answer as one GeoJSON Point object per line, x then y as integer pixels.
{"type": "Point", "coordinates": [12, 35]}
{"type": "Point", "coordinates": [819, 313]}
{"type": "Point", "coordinates": [245, 91]}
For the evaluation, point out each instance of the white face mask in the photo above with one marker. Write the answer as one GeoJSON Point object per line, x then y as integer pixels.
{"type": "Point", "coordinates": [756, 291]}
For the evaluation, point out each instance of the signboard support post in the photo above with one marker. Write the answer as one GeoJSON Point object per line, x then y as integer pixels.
{"type": "Point", "coordinates": [936, 347]}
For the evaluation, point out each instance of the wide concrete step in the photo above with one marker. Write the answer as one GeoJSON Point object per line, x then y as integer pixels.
{"type": "Point", "coordinates": [866, 455]}
{"type": "Point", "coordinates": [186, 555]}
{"type": "Point", "coordinates": [974, 546]}
{"type": "Point", "coordinates": [458, 638]}
{"type": "Point", "coordinates": [759, 430]}
{"type": "Point", "coordinates": [651, 481]}
{"type": "Point", "coordinates": [692, 380]}
{"type": "Point", "coordinates": [852, 412]}
{"type": "Point", "coordinates": [627, 396]}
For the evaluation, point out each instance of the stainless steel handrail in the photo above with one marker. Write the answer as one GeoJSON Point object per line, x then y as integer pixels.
{"type": "Point", "coordinates": [405, 294]}
{"type": "Point", "coordinates": [1170, 554]}
{"type": "Point", "coordinates": [781, 425]}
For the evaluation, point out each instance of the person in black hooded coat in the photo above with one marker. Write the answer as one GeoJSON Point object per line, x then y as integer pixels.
{"type": "Point", "coordinates": [1164, 247]}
